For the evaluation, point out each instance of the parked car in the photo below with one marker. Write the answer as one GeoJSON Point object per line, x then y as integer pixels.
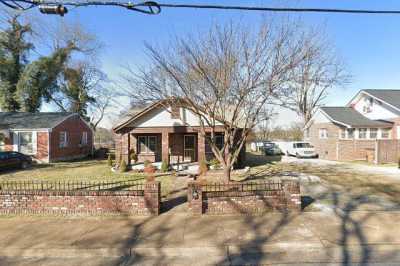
{"type": "Point", "coordinates": [301, 150]}
{"type": "Point", "coordinates": [271, 149]}
{"type": "Point", "coordinates": [12, 159]}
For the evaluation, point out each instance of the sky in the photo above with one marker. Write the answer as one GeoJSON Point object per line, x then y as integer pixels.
{"type": "Point", "coordinates": [368, 44]}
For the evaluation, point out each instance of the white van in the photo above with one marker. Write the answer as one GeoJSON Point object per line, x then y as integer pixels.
{"type": "Point", "coordinates": [299, 149]}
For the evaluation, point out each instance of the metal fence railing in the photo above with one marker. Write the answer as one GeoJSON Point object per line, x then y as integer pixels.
{"type": "Point", "coordinates": [129, 185]}
{"type": "Point", "coordinates": [241, 189]}
{"type": "Point", "coordinates": [218, 187]}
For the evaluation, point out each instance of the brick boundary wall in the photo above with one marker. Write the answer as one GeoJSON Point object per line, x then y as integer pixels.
{"type": "Point", "coordinates": [82, 202]}
{"type": "Point", "coordinates": [243, 198]}
{"type": "Point", "coordinates": [388, 151]}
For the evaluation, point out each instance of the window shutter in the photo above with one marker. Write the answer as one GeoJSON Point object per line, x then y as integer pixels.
{"type": "Point", "coordinates": [15, 141]}
{"type": "Point", "coordinates": [34, 142]}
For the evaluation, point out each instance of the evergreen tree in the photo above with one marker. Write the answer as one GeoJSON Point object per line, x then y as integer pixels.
{"type": "Point", "coordinates": [76, 89]}
{"type": "Point", "coordinates": [39, 80]}
{"type": "Point", "coordinates": [14, 50]}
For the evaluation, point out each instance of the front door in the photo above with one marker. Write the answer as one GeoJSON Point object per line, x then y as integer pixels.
{"type": "Point", "coordinates": [189, 148]}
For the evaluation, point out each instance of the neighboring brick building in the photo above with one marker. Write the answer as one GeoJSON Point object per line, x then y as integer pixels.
{"type": "Point", "coordinates": [157, 133]}
{"type": "Point", "coordinates": [368, 128]}
{"type": "Point", "coordinates": [47, 137]}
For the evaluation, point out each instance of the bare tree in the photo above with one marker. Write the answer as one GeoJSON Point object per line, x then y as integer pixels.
{"type": "Point", "coordinates": [264, 127]}
{"type": "Point", "coordinates": [225, 77]}
{"type": "Point", "coordinates": [320, 71]}
{"type": "Point", "coordinates": [100, 108]}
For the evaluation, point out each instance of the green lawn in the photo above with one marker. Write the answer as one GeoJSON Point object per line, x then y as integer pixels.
{"type": "Point", "coordinates": [90, 170]}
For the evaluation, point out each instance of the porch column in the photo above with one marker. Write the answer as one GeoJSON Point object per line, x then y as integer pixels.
{"type": "Point", "coordinates": [201, 148]}
{"type": "Point", "coordinates": [122, 148]}
{"type": "Point", "coordinates": [165, 146]}
{"type": "Point", "coordinates": [128, 159]}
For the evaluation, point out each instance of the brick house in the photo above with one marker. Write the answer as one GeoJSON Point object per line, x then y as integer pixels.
{"type": "Point", "coordinates": [171, 134]}
{"type": "Point", "coordinates": [367, 128]}
{"type": "Point", "coordinates": [47, 137]}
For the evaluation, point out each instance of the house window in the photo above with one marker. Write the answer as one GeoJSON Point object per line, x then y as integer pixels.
{"type": "Point", "coordinates": [142, 144]}
{"type": "Point", "coordinates": [147, 144]}
{"type": "Point", "coordinates": [398, 132]}
{"type": "Point", "coordinates": [362, 133]}
{"type": "Point", "coordinates": [152, 140]}
{"type": "Point", "coordinates": [385, 133]}
{"type": "Point", "coordinates": [373, 133]}
{"type": "Point", "coordinates": [25, 142]}
{"type": "Point", "coordinates": [63, 139]}
{"type": "Point", "coordinates": [323, 133]}
{"type": "Point", "coordinates": [175, 112]}
{"type": "Point", "coordinates": [218, 140]}
{"type": "Point", "coordinates": [2, 142]}
{"type": "Point", "coordinates": [350, 133]}
{"type": "Point", "coordinates": [84, 139]}
{"type": "Point", "coordinates": [342, 133]}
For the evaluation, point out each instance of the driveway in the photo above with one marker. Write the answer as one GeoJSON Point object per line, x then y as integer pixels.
{"type": "Point", "coordinates": [388, 171]}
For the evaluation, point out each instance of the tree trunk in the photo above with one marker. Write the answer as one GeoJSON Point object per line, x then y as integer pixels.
{"type": "Point", "coordinates": [227, 173]}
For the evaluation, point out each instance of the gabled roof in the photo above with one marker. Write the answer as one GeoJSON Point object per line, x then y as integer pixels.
{"type": "Point", "coordinates": [23, 120]}
{"type": "Point", "coordinates": [390, 97]}
{"type": "Point", "coordinates": [349, 117]}
{"type": "Point", "coordinates": [133, 114]}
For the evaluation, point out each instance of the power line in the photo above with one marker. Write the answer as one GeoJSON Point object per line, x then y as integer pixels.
{"type": "Point", "coordinates": [154, 8]}
{"type": "Point", "coordinates": [281, 9]}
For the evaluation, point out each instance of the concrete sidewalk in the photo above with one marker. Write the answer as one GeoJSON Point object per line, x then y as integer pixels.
{"type": "Point", "coordinates": [179, 239]}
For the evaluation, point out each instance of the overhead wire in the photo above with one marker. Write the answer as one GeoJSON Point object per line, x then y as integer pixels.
{"type": "Point", "coordinates": [154, 8]}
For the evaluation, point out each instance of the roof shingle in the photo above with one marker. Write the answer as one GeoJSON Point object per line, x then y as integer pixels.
{"type": "Point", "coordinates": [22, 120]}
{"type": "Point", "coordinates": [391, 97]}
{"type": "Point", "coordinates": [350, 117]}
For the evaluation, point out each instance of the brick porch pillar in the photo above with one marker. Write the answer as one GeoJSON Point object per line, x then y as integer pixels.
{"type": "Point", "coordinates": [165, 146]}
{"type": "Point", "coordinates": [201, 147]}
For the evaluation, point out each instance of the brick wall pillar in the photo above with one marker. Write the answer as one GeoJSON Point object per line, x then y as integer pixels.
{"type": "Point", "coordinates": [201, 147]}
{"type": "Point", "coordinates": [195, 198]}
{"type": "Point", "coordinates": [152, 197]}
{"type": "Point", "coordinates": [291, 190]}
{"type": "Point", "coordinates": [165, 146]}
{"type": "Point", "coordinates": [124, 147]}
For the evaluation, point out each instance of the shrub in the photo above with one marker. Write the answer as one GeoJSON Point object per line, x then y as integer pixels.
{"type": "Point", "coordinates": [203, 167]}
{"type": "Point", "coordinates": [146, 163]}
{"type": "Point", "coordinates": [133, 156]}
{"type": "Point", "coordinates": [215, 163]}
{"type": "Point", "coordinates": [123, 167]}
{"type": "Point", "coordinates": [109, 160]}
{"type": "Point", "coordinates": [164, 167]}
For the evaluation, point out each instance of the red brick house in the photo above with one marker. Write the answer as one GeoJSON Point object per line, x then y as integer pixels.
{"type": "Point", "coordinates": [159, 133]}
{"type": "Point", "coordinates": [367, 128]}
{"type": "Point", "coordinates": [47, 137]}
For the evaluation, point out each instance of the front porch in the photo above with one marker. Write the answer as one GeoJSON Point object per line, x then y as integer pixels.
{"type": "Point", "coordinates": [175, 145]}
